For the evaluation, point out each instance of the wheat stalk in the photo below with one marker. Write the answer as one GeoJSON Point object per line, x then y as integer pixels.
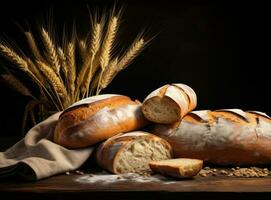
{"type": "Point", "coordinates": [52, 77]}
{"type": "Point", "coordinates": [16, 84]}
{"type": "Point", "coordinates": [133, 51]}
{"type": "Point", "coordinates": [51, 50]}
{"type": "Point", "coordinates": [32, 45]}
{"type": "Point", "coordinates": [56, 69]}
{"type": "Point", "coordinates": [108, 42]}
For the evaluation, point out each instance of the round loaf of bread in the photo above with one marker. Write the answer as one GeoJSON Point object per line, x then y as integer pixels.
{"type": "Point", "coordinates": [224, 137]}
{"type": "Point", "coordinates": [132, 152]}
{"type": "Point", "coordinates": [97, 118]}
{"type": "Point", "coordinates": [169, 103]}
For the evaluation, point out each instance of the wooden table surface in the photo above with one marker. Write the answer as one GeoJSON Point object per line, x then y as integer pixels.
{"type": "Point", "coordinates": [68, 187]}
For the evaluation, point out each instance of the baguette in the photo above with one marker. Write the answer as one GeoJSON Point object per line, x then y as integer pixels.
{"type": "Point", "coordinates": [132, 152]}
{"type": "Point", "coordinates": [224, 137]}
{"type": "Point", "coordinates": [178, 168]}
{"type": "Point", "coordinates": [95, 119]}
{"type": "Point", "coordinates": [168, 104]}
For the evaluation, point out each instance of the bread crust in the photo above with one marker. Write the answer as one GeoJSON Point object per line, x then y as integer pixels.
{"type": "Point", "coordinates": [224, 137]}
{"type": "Point", "coordinates": [87, 124]}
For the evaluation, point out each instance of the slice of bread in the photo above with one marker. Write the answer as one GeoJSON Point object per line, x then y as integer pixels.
{"type": "Point", "coordinates": [179, 168]}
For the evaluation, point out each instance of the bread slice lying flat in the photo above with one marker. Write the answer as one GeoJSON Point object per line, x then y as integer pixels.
{"type": "Point", "coordinates": [179, 168]}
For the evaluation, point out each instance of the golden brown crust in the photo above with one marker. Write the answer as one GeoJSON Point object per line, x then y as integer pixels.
{"type": "Point", "coordinates": [232, 137]}
{"type": "Point", "coordinates": [86, 125]}
{"type": "Point", "coordinates": [75, 115]}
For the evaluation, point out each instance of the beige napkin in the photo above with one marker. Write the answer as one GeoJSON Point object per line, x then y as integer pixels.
{"type": "Point", "coordinates": [36, 156]}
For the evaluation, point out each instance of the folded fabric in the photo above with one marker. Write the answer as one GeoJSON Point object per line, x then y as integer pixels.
{"type": "Point", "coordinates": [36, 156]}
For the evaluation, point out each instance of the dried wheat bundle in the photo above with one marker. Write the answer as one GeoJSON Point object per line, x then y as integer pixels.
{"type": "Point", "coordinates": [66, 73]}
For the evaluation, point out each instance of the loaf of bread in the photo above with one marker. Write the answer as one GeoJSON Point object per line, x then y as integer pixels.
{"type": "Point", "coordinates": [96, 119]}
{"type": "Point", "coordinates": [132, 152]}
{"type": "Point", "coordinates": [168, 104]}
{"type": "Point", "coordinates": [179, 168]}
{"type": "Point", "coordinates": [224, 137]}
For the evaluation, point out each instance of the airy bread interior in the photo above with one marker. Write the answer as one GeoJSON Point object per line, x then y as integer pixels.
{"type": "Point", "coordinates": [137, 155]}
{"type": "Point", "coordinates": [161, 110]}
{"type": "Point", "coordinates": [180, 167]}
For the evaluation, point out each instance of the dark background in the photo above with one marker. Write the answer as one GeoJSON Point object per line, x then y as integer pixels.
{"type": "Point", "coordinates": [220, 49]}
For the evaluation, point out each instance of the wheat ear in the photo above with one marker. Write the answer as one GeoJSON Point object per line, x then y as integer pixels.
{"type": "Point", "coordinates": [52, 77]}
{"type": "Point", "coordinates": [89, 76]}
{"type": "Point", "coordinates": [82, 49]}
{"type": "Point", "coordinates": [32, 44]}
{"type": "Point", "coordinates": [71, 67]}
{"type": "Point", "coordinates": [14, 58]}
{"type": "Point", "coordinates": [88, 62]}
{"type": "Point", "coordinates": [63, 62]}
{"type": "Point", "coordinates": [33, 68]}
{"type": "Point", "coordinates": [108, 42]}
{"type": "Point", "coordinates": [132, 52]}
{"type": "Point", "coordinates": [109, 73]}
{"type": "Point", "coordinates": [51, 50]}
{"type": "Point", "coordinates": [16, 84]}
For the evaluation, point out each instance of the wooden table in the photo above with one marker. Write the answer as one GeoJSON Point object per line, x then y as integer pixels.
{"type": "Point", "coordinates": [66, 187]}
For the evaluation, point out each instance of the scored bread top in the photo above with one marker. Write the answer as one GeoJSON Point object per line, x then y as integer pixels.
{"type": "Point", "coordinates": [227, 126]}
{"type": "Point", "coordinates": [92, 99]}
{"type": "Point", "coordinates": [226, 136]}
{"type": "Point", "coordinates": [234, 115]}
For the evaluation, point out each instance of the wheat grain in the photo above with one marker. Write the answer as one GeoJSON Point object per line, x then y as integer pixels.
{"type": "Point", "coordinates": [32, 45]}
{"type": "Point", "coordinates": [51, 50]}
{"type": "Point", "coordinates": [16, 84]}
{"type": "Point", "coordinates": [133, 51]}
{"type": "Point", "coordinates": [108, 42]}
{"type": "Point", "coordinates": [53, 79]}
